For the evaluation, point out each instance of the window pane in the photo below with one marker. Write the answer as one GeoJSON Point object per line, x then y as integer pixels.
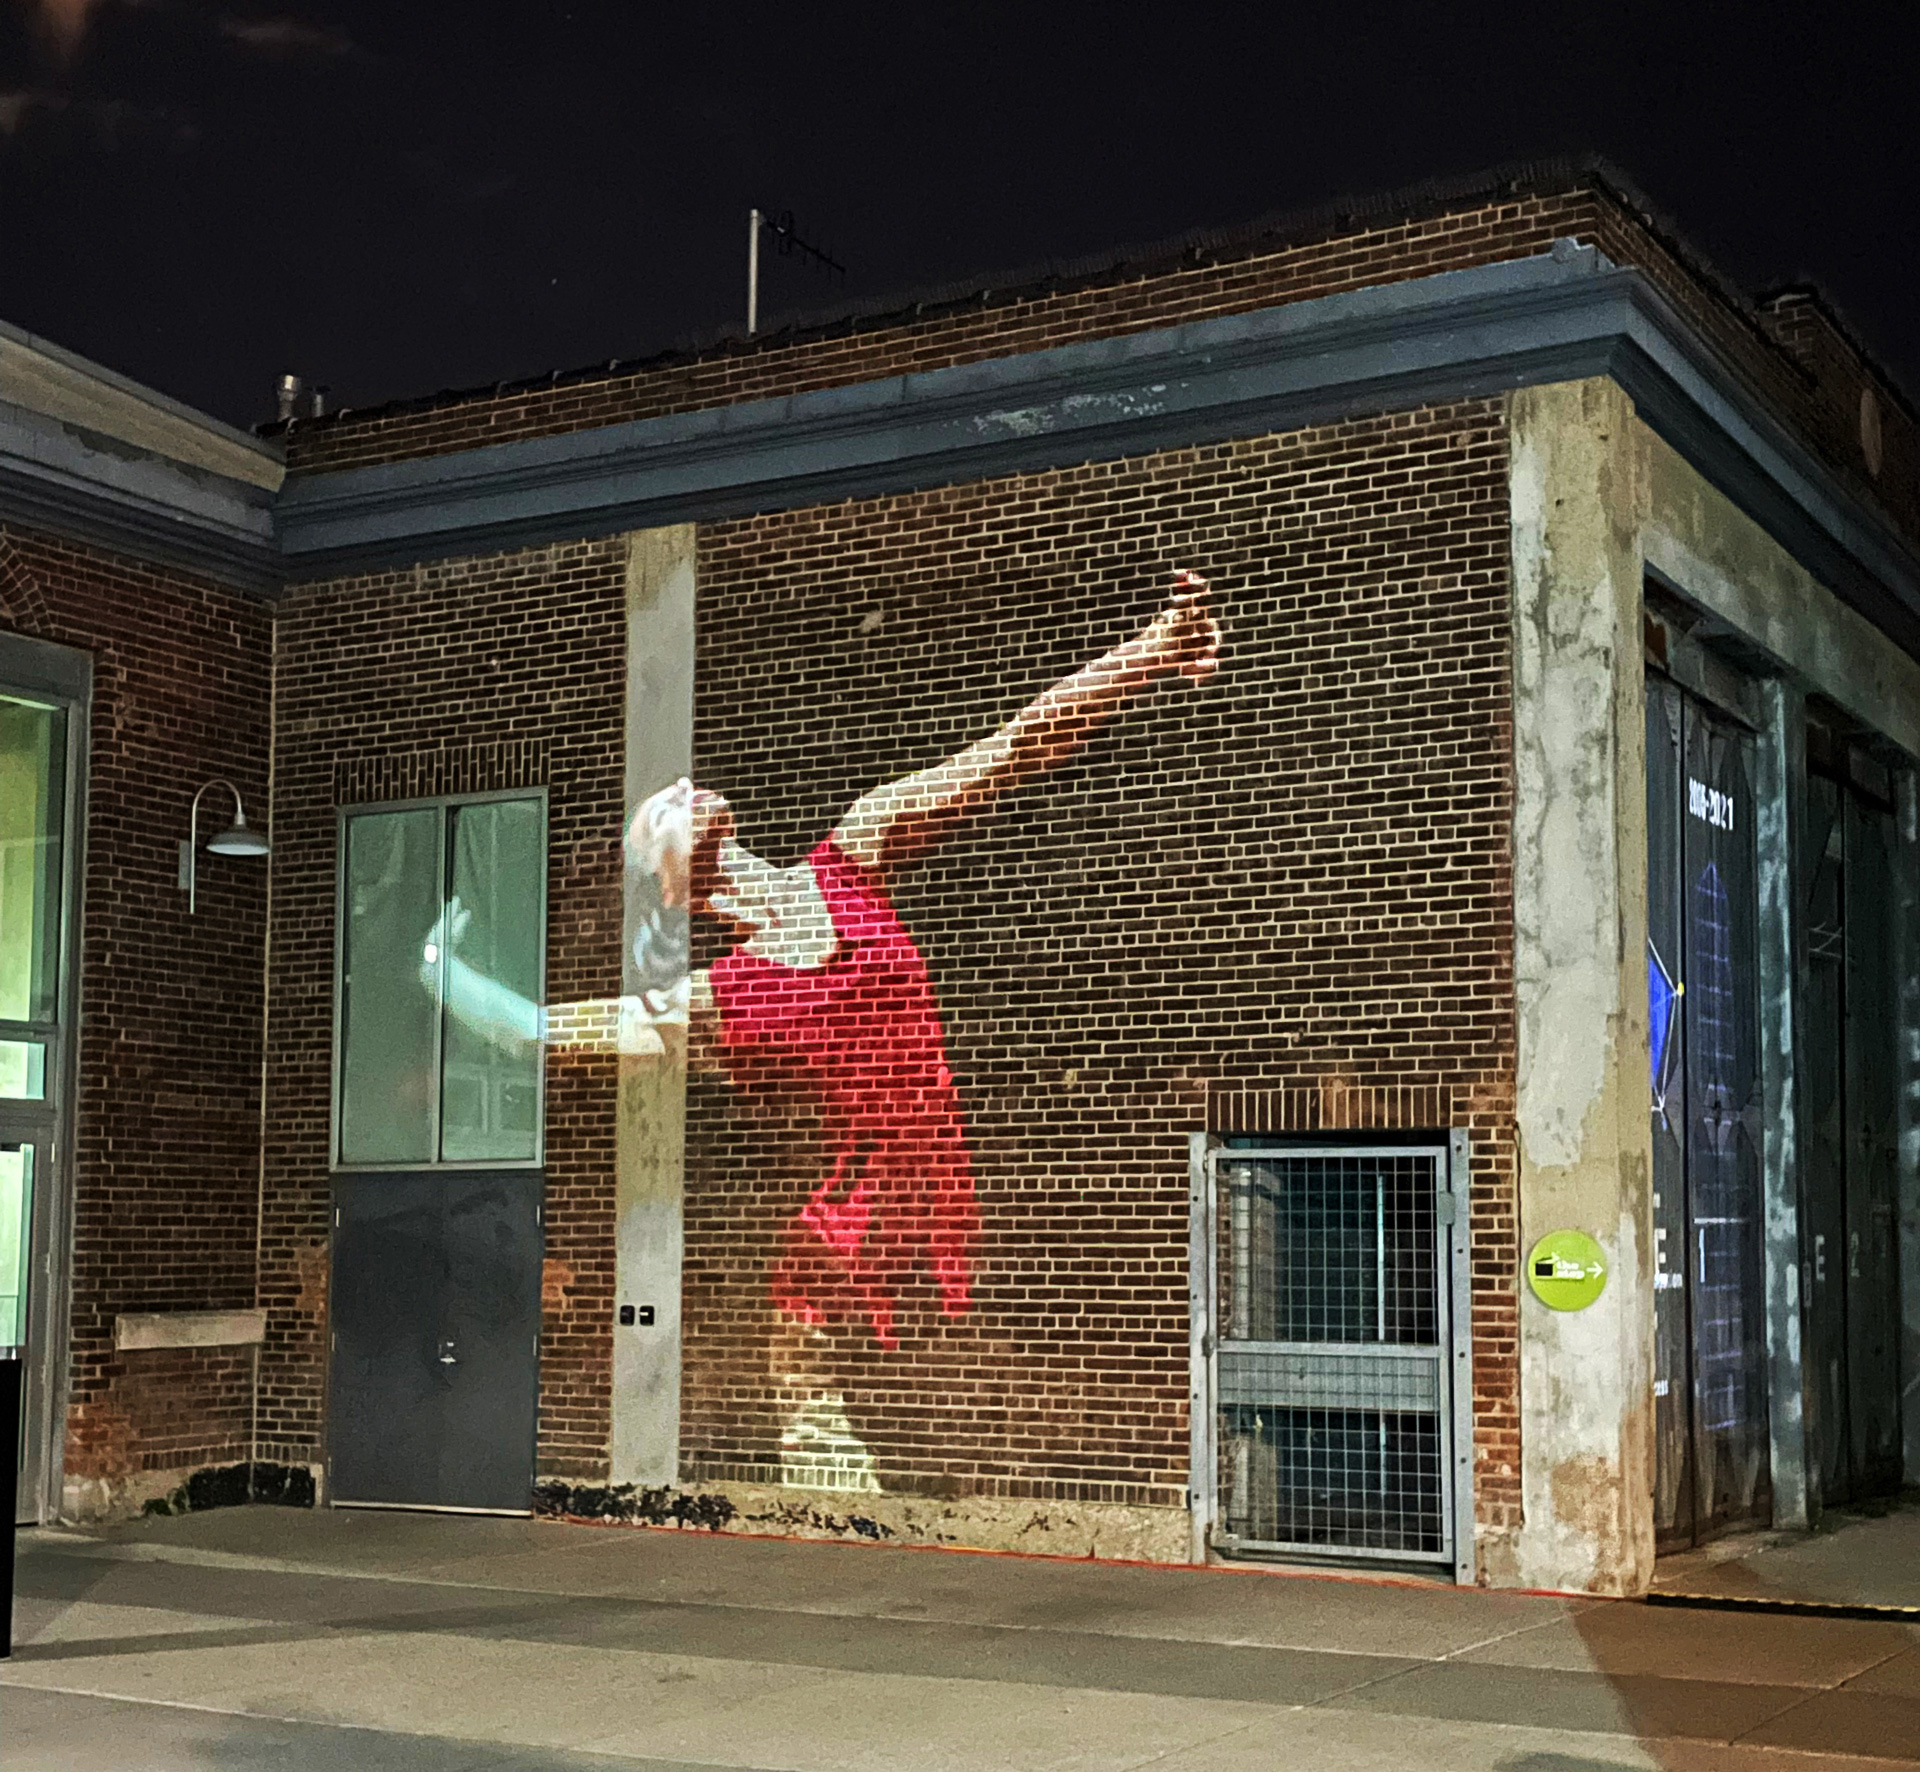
{"type": "Point", "coordinates": [490, 1100]}
{"type": "Point", "coordinates": [16, 1230]}
{"type": "Point", "coordinates": [388, 993]}
{"type": "Point", "coordinates": [23, 1070]}
{"type": "Point", "coordinates": [33, 768]}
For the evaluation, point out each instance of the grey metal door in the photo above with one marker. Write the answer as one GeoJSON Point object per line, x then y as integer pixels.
{"type": "Point", "coordinates": [1823, 1139]}
{"type": "Point", "coordinates": [1849, 1255]}
{"type": "Point", "coordinates": [1338, 1389]}
{"type": "Point", "coordinates": [435, 1339]}
{"type": "Point", "coordinates": [1873, 1155]}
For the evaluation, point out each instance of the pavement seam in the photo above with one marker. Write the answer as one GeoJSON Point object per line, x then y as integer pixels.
{"type": "Point", "coordinates": [1196, 1746]}
{"type": "Point", "coordinates": [1786, 1710]}
{"type": "Point", "coordinates": [476, 1741]}
{"type": "Point", "coordinates": [1519, 1630]}
{"type": "Point", "coordinates": [237, 1563]}
{"type": "Point", "coordinates": [1861, 1673]}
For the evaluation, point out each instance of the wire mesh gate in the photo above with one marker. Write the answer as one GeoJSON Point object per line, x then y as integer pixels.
{"type": "Point", "coordinates": [1332, 1359]}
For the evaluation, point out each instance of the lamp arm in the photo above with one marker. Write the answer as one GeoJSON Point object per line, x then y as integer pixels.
{"type": "Point", "coordinates": [193, 833]}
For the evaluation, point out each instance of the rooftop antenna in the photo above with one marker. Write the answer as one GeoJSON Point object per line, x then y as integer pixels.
{"type": "Point", "coordinates": [786, 243]}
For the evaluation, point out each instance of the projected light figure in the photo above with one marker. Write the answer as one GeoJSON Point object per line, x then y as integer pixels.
{"type": "Point", "coordinates": [1719, 1217]}
{"type": "Point", "coordinates": [1663, 1000]}
{"type": "Point", "coordinates": [825, 986]}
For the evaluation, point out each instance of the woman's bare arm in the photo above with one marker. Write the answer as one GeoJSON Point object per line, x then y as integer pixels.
{"type": "Point", "coordinates": [896, 822]}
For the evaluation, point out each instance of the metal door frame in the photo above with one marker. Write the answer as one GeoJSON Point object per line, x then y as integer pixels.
{"type": "Point", "coordinates": [1454, 1353]}
{"type": "Point", "coordinates": [62, 677]}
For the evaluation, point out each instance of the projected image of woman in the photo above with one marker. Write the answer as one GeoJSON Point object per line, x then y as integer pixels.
{"type": "Point", "coordinates": [825, 984]}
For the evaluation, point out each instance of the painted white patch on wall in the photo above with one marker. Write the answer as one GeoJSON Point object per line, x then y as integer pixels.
{"type": "Point", "coordinates": [1566, 962]}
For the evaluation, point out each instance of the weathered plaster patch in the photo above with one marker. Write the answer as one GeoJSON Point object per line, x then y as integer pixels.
{"type": "Point", "coordinates": [1716, 555]}
{"type": "Point", "coordinates": [1566, 625]}
{"type": "Point", "coordinates": [1577, 492]}
{"type": "Point", "coordinates": [1043, 1528]}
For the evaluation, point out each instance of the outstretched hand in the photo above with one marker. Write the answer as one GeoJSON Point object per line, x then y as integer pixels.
{"type": "Point", "coordinates": [1184, 636]}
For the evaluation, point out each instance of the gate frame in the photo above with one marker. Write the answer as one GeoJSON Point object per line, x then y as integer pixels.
{"type": "Point", "coordinates": [1455, 1293]}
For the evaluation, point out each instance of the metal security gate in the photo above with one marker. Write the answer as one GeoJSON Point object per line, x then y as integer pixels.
{"type": "Point", "coordinates": [1332, 1380]}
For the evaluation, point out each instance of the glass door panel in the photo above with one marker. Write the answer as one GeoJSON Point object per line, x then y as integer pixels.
{"type": "Point", "coordinates": [16, 1240]}
{"type": "Point", "coordinates": [389, 1009]}
{"type": "Point", "coordinates": [1666, 975]}
{"type": "Point", "coordinates": [1726, 1258]}
{"type": "Point", "coordinates": [43, 735]}
{"type": "Point", "coordinates": [33, 779]}
{"type": "Point", "coordinates": [23, 1070]}
{"type": "Point", "coordinates": [490, 1083]}
{"type": "Point", "coordinates": [22, 1316]}
{"type": "Point", "coordinates": [1710, 1398]}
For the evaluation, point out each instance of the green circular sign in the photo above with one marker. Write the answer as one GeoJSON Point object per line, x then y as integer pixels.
{"type": "Point", "coordinates": [1567, 1270]}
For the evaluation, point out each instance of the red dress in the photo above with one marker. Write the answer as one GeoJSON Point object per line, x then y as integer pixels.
{"type": "Point", "coordinates": [864, 1032]}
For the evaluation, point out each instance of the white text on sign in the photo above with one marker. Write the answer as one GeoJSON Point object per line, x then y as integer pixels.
{"type": "Point", "coordinates": [1710, 804]}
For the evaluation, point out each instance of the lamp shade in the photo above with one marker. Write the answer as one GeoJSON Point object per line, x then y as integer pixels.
{"type": "Point", "coordinates": [237, 839]}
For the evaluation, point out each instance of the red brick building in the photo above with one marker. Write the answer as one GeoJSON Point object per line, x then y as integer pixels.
{"type": "Point", "coordinates": [1276, 1023]}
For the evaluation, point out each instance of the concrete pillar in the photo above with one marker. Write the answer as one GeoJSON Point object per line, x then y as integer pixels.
{"type": "Point", "coordinates": [1906, 959]}
{"type": "Point", "coordinates": [650, 1139]}
{"type": "Point", "coordinates": [1780, 785]}
{"type": "Point", "coordinates": [1578, 480]}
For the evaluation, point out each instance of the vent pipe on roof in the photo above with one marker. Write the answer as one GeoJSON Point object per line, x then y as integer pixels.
{"type": "Point", "coordinates": [289, 391]}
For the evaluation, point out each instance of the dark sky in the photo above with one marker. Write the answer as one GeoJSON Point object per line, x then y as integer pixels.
{"type": "Point", "coordinates": [394, 196]}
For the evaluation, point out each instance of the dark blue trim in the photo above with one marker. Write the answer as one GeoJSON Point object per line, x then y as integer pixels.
{"type": "Point", "coordinates": [1556, 317]}
{"type": "Point", "coordinates": [1462, 334]}
{"type": "Point", "coordinates": [1405, 344]}
{"type": "Point", "coordinates": [73, 482]}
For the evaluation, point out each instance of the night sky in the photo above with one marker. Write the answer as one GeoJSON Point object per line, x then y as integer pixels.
{"type": "Point", "coordinates": [401, 196]}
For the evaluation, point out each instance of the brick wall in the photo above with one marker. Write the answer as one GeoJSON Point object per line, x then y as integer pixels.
{"type": "Point", "coordinates": [1283, 901]}
{"type": "Point", "coordinates": [1838, 375]}
{"type": "Point", "coordinates": [1424, 237]}
{"type": "Point", "coordinates": [1285, 895]}
{"type": "Point", "coordinates": [996, 324]}
{"type": "Point", "coordinates": [166, 1170]}
{"type": "Point", "coordinates": [452, 678]}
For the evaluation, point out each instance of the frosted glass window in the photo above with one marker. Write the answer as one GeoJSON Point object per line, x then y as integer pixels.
{"type": "Point", "coordinates": [33, 772]}
{"type": "Point", "coordinates": [443, 920]}
{"type": "Point", "coordinates": [490, 1067]}
{"type": "Point", "coordinates": [388, 1012]}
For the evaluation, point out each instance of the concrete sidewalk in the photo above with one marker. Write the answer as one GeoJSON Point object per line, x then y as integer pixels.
{"type": "Point", "coordinates": [1859, 1556]}
{"type": "Point", "coordinates": [259, 1637]}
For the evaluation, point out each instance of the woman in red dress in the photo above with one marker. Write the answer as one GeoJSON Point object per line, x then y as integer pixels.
{"type": "Point", "coordinates": [826, 986]}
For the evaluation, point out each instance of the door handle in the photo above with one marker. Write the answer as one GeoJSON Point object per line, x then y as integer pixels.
{"type": "Point", "coordinates": [446, 1354]}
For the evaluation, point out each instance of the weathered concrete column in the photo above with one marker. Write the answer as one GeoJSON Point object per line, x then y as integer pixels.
{"type": "Point", "coordinates": [650, 1141]}
{"type": "Point", "coordinates": [1780, 787]}
{"type": "Point", "coordinates": [1580, 938]}
{"type": "Point", "coordinates": [1906, 958]}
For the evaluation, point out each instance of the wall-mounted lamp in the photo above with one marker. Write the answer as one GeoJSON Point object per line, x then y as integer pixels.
{"type": "Point", "coordinates": [236, 839]}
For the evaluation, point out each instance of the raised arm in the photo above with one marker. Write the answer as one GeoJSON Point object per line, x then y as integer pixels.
{"type": "Point", "coordinates": [896, 822]}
